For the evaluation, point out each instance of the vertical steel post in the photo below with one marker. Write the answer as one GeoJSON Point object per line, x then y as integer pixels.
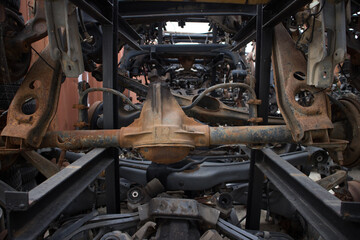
{"type": "Point", "coordinates": [262, 75]}
{"type": "Point", "coordinates": [160, 33]}
{"type": "Point", "coordinates": [111, 105]}
{"type": "Point", "coordinates": [215, 34]}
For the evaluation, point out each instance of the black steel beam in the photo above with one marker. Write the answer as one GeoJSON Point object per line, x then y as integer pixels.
{"type": "Point", "coordinates": [184, 48]}
{"type": "Point", "coordinates": [111, 106]}
{"type": "Point", "coordinates": [130, 10]}
{"type": "Point", "coordinates": [321, 209]}
{"type": "Point", "coordinates": [191, 38]}
{"type": "Point", "coordinates": [129, 40]}
{"type": "Point", "coordinates": [30, 213]}
{"type": "Point", "coordinates": [274, 12]}
{"type": "Point", "coordinates": [4, 187]}
{"type": "Point", "coordinates": [83, 5]}
{"type": "Point", "coordinates": [127, 28]}
{"type": "Point", "coordinates": [207, 176]}
{"type": "Point", "coordinates": [180, 15]}
{"type": "Point", "coordinates": [263, 77]}
{"type": "Point", "coordinates": [126, 32]}
{"type": "Point", "coordinates": [254, 199]}
{"type": "Point", "coordinates": [256, 178]}
{"type": "Point", "coordinates": [275, 17]}
{"type": "Point", "coordinates": [351, 211]}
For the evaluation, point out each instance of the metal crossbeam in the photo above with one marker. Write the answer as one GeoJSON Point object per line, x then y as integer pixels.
{"type": "Point", "coordinates": [321, 209]}
{"type": "Point", "coordinates": [30, 213]}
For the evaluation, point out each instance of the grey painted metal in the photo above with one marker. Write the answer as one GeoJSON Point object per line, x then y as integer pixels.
{"type": "Point", "coordinates": [121, 224]}
{"type": "Point", "coordinates": [39, 207]}
{"type": "Point", "coordinates": [62, 233]}
{"type": "Point", "coordinates": [208, 175]}
{"type": "Point", "coordinates": [178, 208]}
{"type": "Point", "coordinates": [321, 209]}
{"type": "Point", "coordinates": [3, 188]}
{"type": "Point", "coordinates": [351, 211]}
{"type": "Point", "coordinates": [235, 231]}
{"type": "Point", "coordinates": [62, 15]}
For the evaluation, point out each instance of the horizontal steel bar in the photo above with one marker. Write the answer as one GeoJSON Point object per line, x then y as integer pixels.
{"type": "Point", "coordinates": [39, 207]}
{"type": "Point", "coordinates": [242, 43]}
{"type": "Point", "coordinates": [250, 134]}
{"type": "Point", "coordinates": [185, 15]}
{"type": "Point", "coordinates": [320, 208]}
{"type": "Point", "coordinates": [235, 231]}
{"type": "Point", "coordinates": [288, 9]}
{"type": "Point", "coordinates": [153, 8]}
{"type": "Point", "coordinates": [82, 139]}
{"type": "Point", "coordinates": [208, 175]}
{"type": "Point", "coordinates": [128, 39]}
{"type": "Point", "coordinates": [127, 28]}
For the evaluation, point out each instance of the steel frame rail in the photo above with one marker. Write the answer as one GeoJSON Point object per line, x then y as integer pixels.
{"type": "Point", "coordinates": [320, 208]}
{"type": "Point", "coordinates": [30, 213]}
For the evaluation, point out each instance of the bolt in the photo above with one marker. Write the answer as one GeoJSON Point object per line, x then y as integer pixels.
{"type": "Point", "coordinates": [135, 194]}
{"type": "Point", "coordinates": [319, 158]}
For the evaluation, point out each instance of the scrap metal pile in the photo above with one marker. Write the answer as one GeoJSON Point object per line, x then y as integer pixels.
{"type": "Point", "coordinates": [212, 127]}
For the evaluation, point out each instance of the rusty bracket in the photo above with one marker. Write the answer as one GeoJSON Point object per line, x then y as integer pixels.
{"type": "Point", "coordinates": [41, 88]}
{"type": "Point", "coordinates": [290, 85]}
{"type": "Point", "coordinates": [62, 27]}
{"type": "Point", "coordinates": [327, 46]}
{"type": "Point", "coordinates": [255, 120]}
{"type": "Point", "coordinates": [333, 180]}
{"type": "Point", "coordinates": [35, 29]}
{"type": "Point", "coordinates": [80, 106]}
{"type": "Point", "coordinates": [254, 102]}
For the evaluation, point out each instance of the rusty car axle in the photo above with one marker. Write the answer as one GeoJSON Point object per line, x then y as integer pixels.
{"type": "Point", "coordinates": [164, 134]}
{"type": "Point", "coordinates": [83, 139]}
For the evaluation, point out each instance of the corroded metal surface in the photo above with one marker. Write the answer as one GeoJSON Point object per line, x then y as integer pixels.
{"type": "Point", "coordinates": [251, 134]}
{"type": "Point", "coordinates": [300, 119]}
{"type": "Point", "coordinates": [211, 110]}
{"type": "Point", "coordinates": [81, 139]}
{"type": "Point", "coordinates": [354, 189]}
{"type": "Point", "coordinates": [35, 29]}
{"type": "Point", "coordinates": [42, 84]}
{"type": "Point", "coordinates": [163, 133]}
{"type": "Point", "coordinates": [347, 122]}
{"type": "Point", "coordinates": [326, 49]}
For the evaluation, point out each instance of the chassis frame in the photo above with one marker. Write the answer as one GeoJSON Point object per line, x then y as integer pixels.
{"type": "Point", "coordinates": [328, 215]}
